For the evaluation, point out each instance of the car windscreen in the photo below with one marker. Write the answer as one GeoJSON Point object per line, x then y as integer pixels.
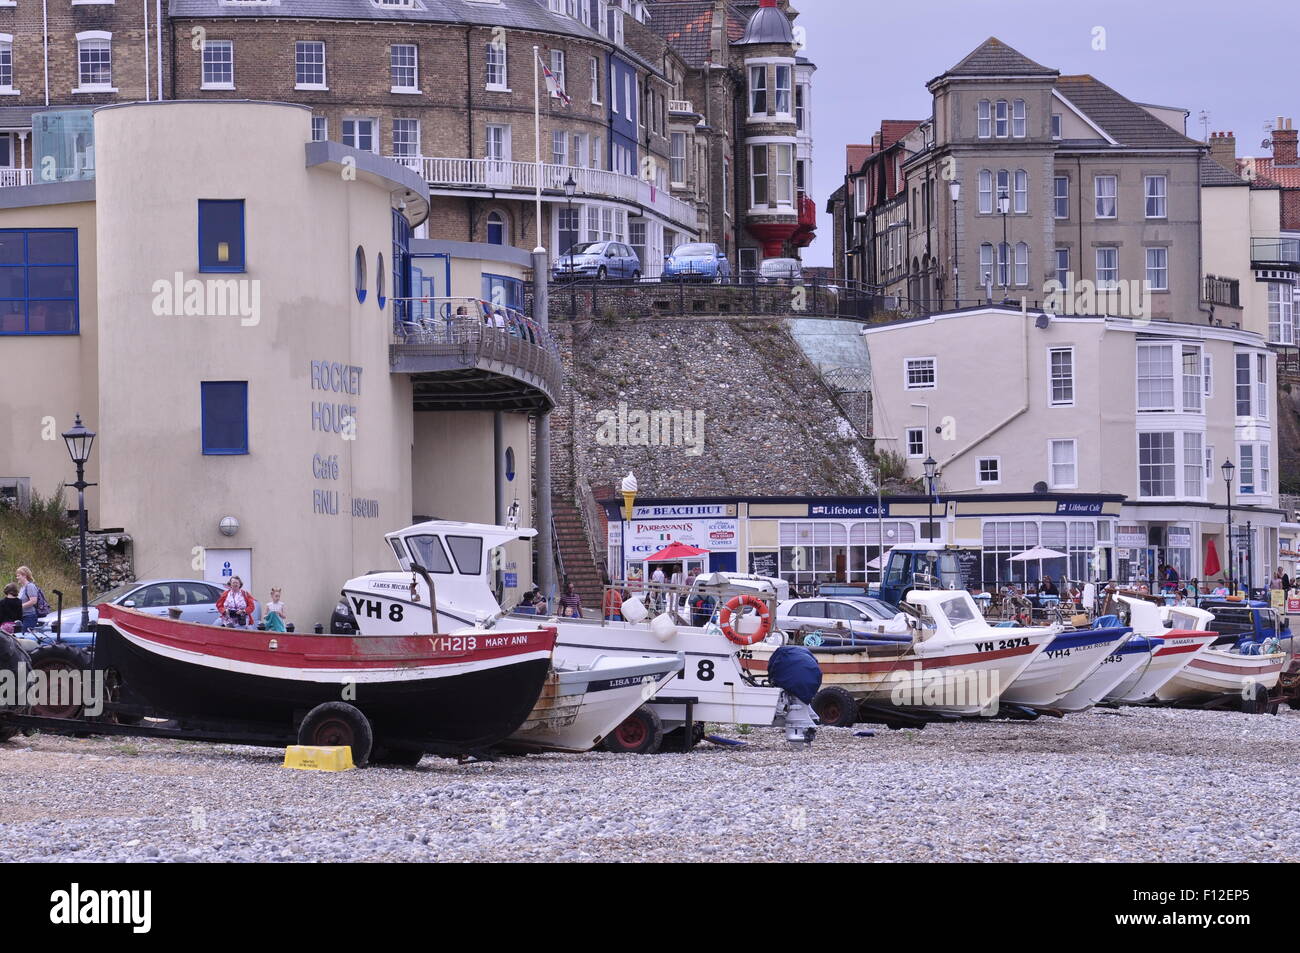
{"type": "Point", "coordinates": [874, 608]}
{"type": "Point", "coordinates": [113, 594]}
{"type": "Point", "coordinates": [587, 248]}
{"type": "Point", "coordinates": [692, 251]}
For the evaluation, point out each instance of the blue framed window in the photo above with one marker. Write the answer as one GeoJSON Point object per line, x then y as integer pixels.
{"type": "Point", "coordinates": [225, 417]}
{"type": "Point", "coordinates": [38, 281]}
{"type": "Point", "coordinates": [511, 291]}
{"type": "Point", "coordinates": [221, 235]}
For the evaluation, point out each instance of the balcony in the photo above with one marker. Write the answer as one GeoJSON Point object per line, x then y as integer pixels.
{"type": "Point", "coordinates": [1225, 292]}
{"type": "Point", "coordinates": [682, 107]}
{"type": "Point", "coordinates": [1275, 253]}
{"type": "Point", "coordinates": [807, 229]}
{"type": "Point", "coordinates": [15, 177]}
{"type": "Point", "coordinates": [467, 354]}
{"type": "Point", "coordinates": [494, 175]}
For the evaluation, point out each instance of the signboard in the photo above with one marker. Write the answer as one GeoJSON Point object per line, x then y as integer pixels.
{"type": "Point", "coordinates": [833, 510]}
{"type": "Point", "coordinates": [1293, 605]}
{"type": "Point", "coordinates": [511, 580]}
{"type": "Point", "coordinates": [647, 537]}
{"type": "Point", "coordinates": [220, 564]}
{"type": "Point", "coordinates": [685, 511]}
{"type": "Point", "coordinates": [765, 564]}
{"type": "Point", "coordinates": [1078, 507]}
{"type": "Point", "coordinates": [1130, 537]}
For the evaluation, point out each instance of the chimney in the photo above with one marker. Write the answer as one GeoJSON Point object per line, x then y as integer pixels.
{"type": "Point", "coordinates": [1284, 143]}
{"type": "Point", "coordinates": [1223, 150]}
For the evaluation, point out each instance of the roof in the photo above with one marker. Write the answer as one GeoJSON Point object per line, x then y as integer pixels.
{"type": "Point", "coordinates": [1266, 173]}
{"type": "Point", "coordinates": [768, 25]}
{"type": "Point", "coordinates": [995, 58]}
{"type": "Point", "coordinates": [1122, 119]}
{"type": "Point", "coordinates": [893, 130]}
{"type": "Point", "coordinates": [1214, 174]}
{"type": "Point", "coordinates": [687, 25]}
{"type": "Point", "coordinates": [855, 155]}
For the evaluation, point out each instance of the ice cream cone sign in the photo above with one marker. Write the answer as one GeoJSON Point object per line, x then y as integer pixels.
{"type": "Point", "coordinates": [628, 488]}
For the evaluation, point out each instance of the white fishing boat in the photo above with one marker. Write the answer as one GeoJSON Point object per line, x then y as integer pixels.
{"type": "Point", "coordinates": [1072, 656]}
{"type": "Point", "coordinates": [1129, 657]}
{"type": "Point", "coordinates": [1174, 647]}
{"type": "Point", "coordinates": [450, 559]}
{"type": "Point", "coordinates": [1231, 670]}
{"type": "Point", "coordinates": [954, 662]}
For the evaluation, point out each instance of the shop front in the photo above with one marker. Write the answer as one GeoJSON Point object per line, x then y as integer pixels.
{"type": "Point", "coordinates": [711, 527]}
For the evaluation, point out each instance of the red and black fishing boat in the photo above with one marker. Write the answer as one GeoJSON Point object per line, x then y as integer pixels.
{"type": "Point", "coordinates": [448, 694]}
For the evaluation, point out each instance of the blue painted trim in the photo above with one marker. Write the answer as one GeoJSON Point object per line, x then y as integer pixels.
{"type": "Point", "coordinates": [26, 265]}
{"type": "Point", "coordinates": [1086, 637]}
{"type": "Point", "coordinates": [243, 240]}
{"type": "Point", "coordinates": [203, 406]}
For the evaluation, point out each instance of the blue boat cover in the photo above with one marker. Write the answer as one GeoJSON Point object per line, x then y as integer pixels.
{"type": "Point", "coordinates": [795, 669]}
{"type": "Point", "coordinates": [1105, 621]}
{"type": "Point", "coordinates": [1084, 637]}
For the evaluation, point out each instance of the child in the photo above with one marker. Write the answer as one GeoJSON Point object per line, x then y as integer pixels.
{"type": "Point", "coordinates": [11, 609]}
{"type": "Point", "coordinates": [274, 614]}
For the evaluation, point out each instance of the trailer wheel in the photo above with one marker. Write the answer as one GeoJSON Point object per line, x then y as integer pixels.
{"type": "Point", "coordinates": [835, 707]}
{"type": "Point", "coordinates": [336, 724]}
{"type": "Point", "coordinates": [52, 659]}
{"type": "Point", "coordinates": [640, 733]}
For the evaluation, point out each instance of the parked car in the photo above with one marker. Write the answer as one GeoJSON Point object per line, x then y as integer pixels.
{"type": "Point", "coordinates": [597, 261]}
{"type": "Point", "coordinates": [780, 271]}
{"type": "Point", "coordinates": [196, 600]}
{"type": "Point", "coordinates": [863, 617]}
{"type": "Point", "coordinates": [698, 261]}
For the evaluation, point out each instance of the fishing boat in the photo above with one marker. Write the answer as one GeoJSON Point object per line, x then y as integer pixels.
{"type": "Point", "coordinates": [952, 663]}
{"type": "Point", "coordinates": [1174, 647]}
{"type": "Point", "coordinates": [450, 693]}
{"type": "Point", "coordinates": [1233, 669]}
{"type": "Point", "coordinates": [1126, 659]}
{"type": "Point", "coordinates": [452, 556]}
{"type": "Point", "coordinates": [1070, 657]}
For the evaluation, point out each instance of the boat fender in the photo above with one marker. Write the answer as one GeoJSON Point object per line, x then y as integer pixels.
{"type": "Point", "coordinates": [733, 608]}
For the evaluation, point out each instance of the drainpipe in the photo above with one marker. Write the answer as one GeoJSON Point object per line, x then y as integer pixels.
{"type": "Point", "coordinates": [45, 34]}
{"type": "Point", "coordinates": [158, 53]}
{"type": "Point", "coordinates": [146, 50]}
{"type": "Point", "coordinates": [498, 439]}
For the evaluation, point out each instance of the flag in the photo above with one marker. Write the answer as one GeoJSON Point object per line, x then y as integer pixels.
{"type": "Point", "coordinates": [553, 84]}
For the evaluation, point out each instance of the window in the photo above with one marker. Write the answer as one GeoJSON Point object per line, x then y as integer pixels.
{"type": "Point", "coordinates": [1004, 189]}
{"type": "Point", "coordinates": [224, 411]}
{"type": "Point", "coordinates": [221, 235]}
{"type": "Point", "coordinates": [403, 66]}
{"type": "Point", "coordinates": [1155, 377]}
{"type": "Point", "coordinates": [758, 176]}
{"type": "Point", "coordinates": [360, 134]}
{"type": "Point", "coordinates": [1061, 370]}
{"type": "Point", "coordinates": [1210, 474]}
{"type": "Point", "coordinates": [758, 90]}
{"type": "Point", "coordinates": [1106, 187]}
{"type": "Point", "coordinates": [677, 159]}
{"type": "Point", "coordinates": [1062, 464]}
{"type": "Point", "coordinates": [595, 80]}
{"type": "Point", "coordinates": [1208, 362]}
{"type": "Point", "coordinates": [1157, 472]}
{"type": "Point", "coordinates": [95, 61]}
{"type": "Point", "coordinates": [1261, 386]}
{"type": "Point", "coordinates": [1107, 268]}
{"type": "Point", "coordinates": [319, 128]}
{"type": "Point", "coordinates": [1158, 269]}
{"type": "Point", "coordinates": [1193, 466]}
{"type": "Point", "coordinates": [495, 61]}
{"type": "Point", "coordinates": [498, 143]}
{"type": "Point", "coordinates": [920, 373]}
{"type": "Point", "coordinates": [559, 147]}
{"type": "Point", "coordinates": [1000, 115]}
{"type": "Point", "coordinates": [1056, 125]}
{"type": "Point", "coordinates": [916, 441]}
{"type": "Point", "coordinates": [1156, 195]}
{"type": "Point", "coordinates": [1004, 264]}
{"type": "Point", "coordinates": [1063, 267]}
{"type": "Point", "coordinates": [1243, 385]}
{"type": "Point", "coordinates": [38, 281]}
{"type": "Point", "coordinates": [988, 470]}
{"type": "Point", "coordinates": [309, 65]}
{"type": "Point", "coordinates": [218, 64]}
{"type": "Point", "coordinates": [359, 272]}
{"type": "Point", "coordinates": [800, 106]}
{"type": "Point", "coordinates": [1022, 264]}
{"type": "Point", "coordinates": [986, 263]}
{"type": "Point", "coordinates": [1246, 468]}
{"type": "Point", "coordinates": [1193, 382]}
{"type": "Point", "coordinates": [1061, 196]}
{"type": "Point", "coordinates": [986, 191]}
{"type": "Point", "coordinates": [1018, 119]}
{"type": "Point", "coordinates": [6, 63]}
{"type": "Point", "coordinates": [597, 153]}
{"type": "Point", "coordinates": [557, 67]}
{"type": "Point", "coordinates": [983, 127]}
{"type": "Point", "coordinates": [784, 175]}
{"type": "Point", "coordinates": [496, 228]}
{"type": "Point", "coordinates": [406, 138]}
{"type": "Point", "coordinates": [1022, 192]}
{"type": "Point", "coordinates": [783, 104]}
{"type": "Point", "coordinates": [1281, 313]}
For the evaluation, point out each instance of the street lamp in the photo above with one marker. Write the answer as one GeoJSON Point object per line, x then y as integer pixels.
{"type": "Point", "coordinates": [1004, 206]}
{"type": "Point", "coordinates": [1228, 469]}
{"type": "Point", "coordinates": [954, 189]}
{"type": "Point", "coordinates": [570, 187]}
{"type": "Point", "coordinates": [79, 441]}
{"type": "Point", "coordinates": [931, 468]}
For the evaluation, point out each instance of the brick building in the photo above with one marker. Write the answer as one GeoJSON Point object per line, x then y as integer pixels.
{"type": "Point", "coordinates": [682, 119]}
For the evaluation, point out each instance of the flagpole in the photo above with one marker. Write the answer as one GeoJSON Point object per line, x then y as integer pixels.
{"type": "Point", "coordinates": [537, 142]}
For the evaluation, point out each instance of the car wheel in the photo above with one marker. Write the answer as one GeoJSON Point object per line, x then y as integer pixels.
{"type": "Point", "coordinates": [636, 276]}
{"type": "Point", "coordinates": [601, 273]}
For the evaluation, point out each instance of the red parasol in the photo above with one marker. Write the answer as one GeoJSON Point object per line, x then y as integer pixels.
{"type": "Point", "coordinates": [676, 552]}
{"type": "Point", "coordinates": [1212, 567]}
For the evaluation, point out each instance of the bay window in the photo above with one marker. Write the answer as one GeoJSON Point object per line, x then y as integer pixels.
{"type": "Point", "coordinates": [1281, 313]}
{"type": "Point", "coordinates": [783, 90]}
{"type": "Point", "coordinates": [1157, 471]}
{"type": "Point", "coordinates": [758, 176]}
{"type": "Point", "coordinates": [785, 175]}
{"type": "Point", "coordinates": [758, 90]}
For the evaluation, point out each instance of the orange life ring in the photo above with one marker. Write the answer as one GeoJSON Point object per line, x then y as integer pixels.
{"type": "Point", "coordinates": [755, 603]}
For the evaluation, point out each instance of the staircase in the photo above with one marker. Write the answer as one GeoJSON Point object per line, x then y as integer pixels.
{"type": "Point", "coordinates": [580, 569]}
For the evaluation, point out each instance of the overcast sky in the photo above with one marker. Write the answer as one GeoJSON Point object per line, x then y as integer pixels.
{"type": "Point", "coordinates": [1238, 62]}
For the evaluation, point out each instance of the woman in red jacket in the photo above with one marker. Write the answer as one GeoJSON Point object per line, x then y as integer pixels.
{"type": "Point", "coordinates": [235, 606]}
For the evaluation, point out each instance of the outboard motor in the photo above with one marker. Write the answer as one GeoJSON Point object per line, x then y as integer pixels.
{"type": "Point", "coordinates": [795, 671]}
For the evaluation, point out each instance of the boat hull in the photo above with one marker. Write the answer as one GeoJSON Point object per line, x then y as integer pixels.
{"type": "Point", "coordinates": [1215, 673]}
{"type": "Point", "coordinates": [1115, 669]}
{"type": "Point", "coordinates": [434, 693]}
{"type": "Point", "coordinates": [578, 708]}
{"type": "Point", "coordinates": [1062, 667]}
{"type": "Point", "coordinates": [1176, 650]}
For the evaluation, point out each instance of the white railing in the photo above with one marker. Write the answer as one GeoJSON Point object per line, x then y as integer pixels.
{"type": "Point", "coordinates": [680, 106]}
{"type": "Point", "coordinates": [15, 177]}
{"type": "Point", "coordinates": [447, 172]}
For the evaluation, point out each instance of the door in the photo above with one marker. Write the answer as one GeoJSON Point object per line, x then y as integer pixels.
{"type": "Point", "coordinates": [220, 564]}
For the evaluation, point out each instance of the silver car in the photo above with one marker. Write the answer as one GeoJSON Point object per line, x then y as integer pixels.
{"type": "Point", "coordinates": [196, 600]}
{"type": "Point", "coordinates": [780, 271]}
{"type": "Point", "coordinates": [862, 616]}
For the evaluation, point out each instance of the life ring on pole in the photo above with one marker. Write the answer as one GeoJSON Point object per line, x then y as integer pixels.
{"type": "Point", "coordinates": [733, 607]}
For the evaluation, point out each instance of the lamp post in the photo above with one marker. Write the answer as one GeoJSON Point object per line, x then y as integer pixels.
{"type": "Point", "coordinates": [1004, 207]}
{"type": "Point", "coordinates": [954, 190]}
{"type": "Point", "coordinates": [1228, 469]}
{"type": "Point", "coordinates": [570, 187]}
{"type": "Point", "coordinates": [79, 441]}
{"type": "Point", "coordinates": [931, 468]}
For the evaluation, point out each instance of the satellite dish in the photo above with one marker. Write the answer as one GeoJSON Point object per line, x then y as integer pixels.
{"type": "Point", "coordinates": [1040, 487]}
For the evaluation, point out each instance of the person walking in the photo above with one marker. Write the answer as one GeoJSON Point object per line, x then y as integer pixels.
{"type": "Point", "coordinates": [612, 607]}
{"type": "Point", "coordinates": [29, 594]}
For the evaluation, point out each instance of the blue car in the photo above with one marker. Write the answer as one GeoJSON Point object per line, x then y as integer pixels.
{"type": "Point", "coordinates": [699, 261]}
{"type": "Point", "coordinates": [597, 261]}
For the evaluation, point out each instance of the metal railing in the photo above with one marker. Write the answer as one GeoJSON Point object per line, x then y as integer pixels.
{"type": "Point", "coordinates": [680, 106]}
{"type": "Point", "coordinates": [497, 174]}
{"type": "Point", "coordinates": [1278, 250]}
{"type": "Point", "coordinates": [593, 524]}
{"type": "Point", "coordinates": [10, 177]}
{"type": "Point", "coordinates": [1221, 291]}
{"type": "Point", "coordinates": [470, 331]}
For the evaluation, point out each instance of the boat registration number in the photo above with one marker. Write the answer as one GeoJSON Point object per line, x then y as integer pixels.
{"type": "Point", "coordinates": [1000, 644]}
{"type": "Point", "coordinates": [454, 643]}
